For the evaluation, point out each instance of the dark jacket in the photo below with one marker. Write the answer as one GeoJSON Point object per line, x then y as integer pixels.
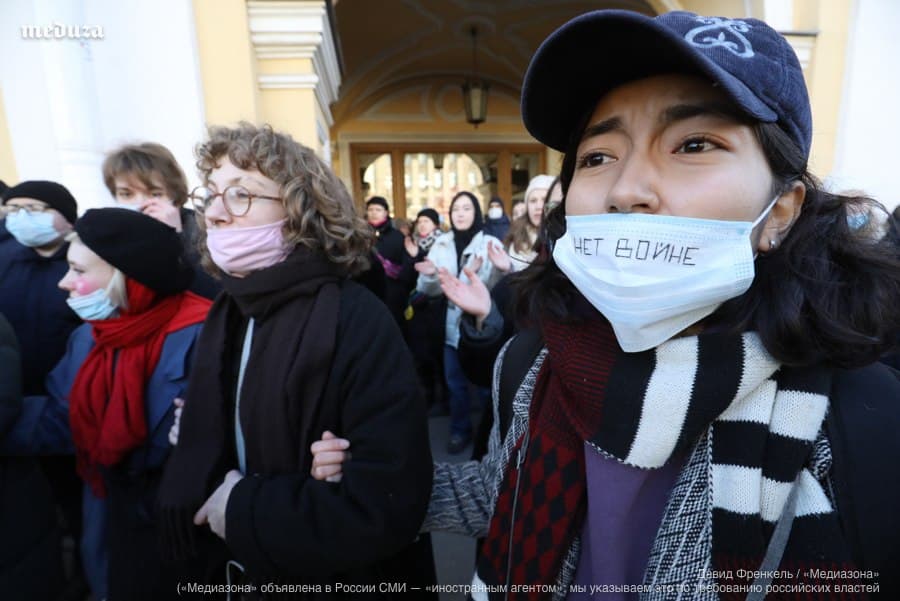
{"type": "Point", "coordinates": [478, 349]}
{"type": "Point", "coordinates": [359, 530]}
{"type": "Point", "coordinates": [32, 301]}
{"type": "Point", "coordinates": [121, 527]}
{"type": "Point", "coordinates": [862, 428]}
{"type": "Point", "coordinates": [203, 284]}
{"type": "Point", "coordinates": [30, 559]}
{"type": "Point", "coordinates": [397, 286]}
{"type": "Point", "coordinates": [498, 228]}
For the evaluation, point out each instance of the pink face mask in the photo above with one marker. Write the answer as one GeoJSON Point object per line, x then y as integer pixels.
{"type": "Point", "coordinates": [241, 250]}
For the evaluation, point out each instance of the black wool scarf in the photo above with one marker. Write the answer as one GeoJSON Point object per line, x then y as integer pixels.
{"type": "Point", "coordinates": [751, 422]}
{"type": "Point", "coordinates": [294, 305]}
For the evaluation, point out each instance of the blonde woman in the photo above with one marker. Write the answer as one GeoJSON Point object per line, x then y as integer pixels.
{"type": "Point", "coordinates": [109, 399]}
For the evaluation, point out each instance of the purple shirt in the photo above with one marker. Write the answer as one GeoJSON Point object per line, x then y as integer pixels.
{"type": "Point", "coordinates": [625, 508]}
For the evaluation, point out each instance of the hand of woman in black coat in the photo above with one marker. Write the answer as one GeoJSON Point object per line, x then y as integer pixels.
{"type": "Point", "coordinates": [328, 455]}
{"type": "Point", "coordinates": [213, 511]}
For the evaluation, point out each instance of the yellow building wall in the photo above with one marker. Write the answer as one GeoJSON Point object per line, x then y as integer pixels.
{"type": "Point", "coordinates": [227, 67]}
{"type": "Point", "coordinates": [825, 78]}
{"type": "Point", "coordinates": [230, 73]}
{"type": "Point", "coordinates": [292, 111]}
{"type": "Point", "coordinates": [8, 172]}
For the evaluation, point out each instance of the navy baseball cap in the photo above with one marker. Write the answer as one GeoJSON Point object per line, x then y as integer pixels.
{"type": "Point", "coordinates": [595, 52]}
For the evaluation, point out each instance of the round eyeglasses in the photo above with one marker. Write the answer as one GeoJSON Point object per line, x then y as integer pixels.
{"type": "Point", "coordinates": [10, 209]}
{"type": "Point", "coordinates": [236, 199]}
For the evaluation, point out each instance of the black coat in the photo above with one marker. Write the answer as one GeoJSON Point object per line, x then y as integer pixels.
{"type": "Point", "coordinates": [498, 228]}
{"type": "Point", "coordinates": [390, 245]}
{"type": "Point", "coordinates": [30, 559]}
{"type": "Point", "coordinates": [360, 530]}
{"type": "Point", "coordinates": [32, 301]}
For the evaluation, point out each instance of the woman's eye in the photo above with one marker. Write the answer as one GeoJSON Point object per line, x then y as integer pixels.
{"type": "Point", "coordinates": [594, 159]}
{"type": "Point", "coordinates": [695, 145]}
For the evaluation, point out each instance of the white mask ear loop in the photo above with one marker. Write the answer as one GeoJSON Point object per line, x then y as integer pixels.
{"type": "Point", "coordinates": [760, 219]}
{"type": "Point", "coordinates": [765, 212]}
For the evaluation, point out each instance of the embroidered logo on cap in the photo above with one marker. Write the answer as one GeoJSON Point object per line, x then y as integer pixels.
{"type": "Point", "coordinates": [741, 47]}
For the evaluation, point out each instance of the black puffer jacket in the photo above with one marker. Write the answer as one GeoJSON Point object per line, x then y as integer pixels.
{"type": "Point", "coordinates": [30, 560]}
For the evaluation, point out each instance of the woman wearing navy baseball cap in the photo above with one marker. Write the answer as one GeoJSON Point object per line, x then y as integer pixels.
{"type": "Point", "coordinates": [706, 417]}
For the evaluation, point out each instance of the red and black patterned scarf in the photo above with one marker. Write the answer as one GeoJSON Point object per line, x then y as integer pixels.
{"type": "Point", "coordinates": [567, 407]}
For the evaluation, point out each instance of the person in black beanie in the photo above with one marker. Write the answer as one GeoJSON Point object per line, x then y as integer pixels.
{"type": "Point", "coordinates": [389, 250]}
{"type": "Point", "coordinates": [37, 217]}
{"type": "Point", "coordinates": [109, 401]}
{"type": "Point", "coordinates": [425, 318]}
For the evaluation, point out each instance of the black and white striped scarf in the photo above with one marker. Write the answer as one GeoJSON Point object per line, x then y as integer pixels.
{"type": "Point", "coordinates": [752, 425]}
{"type": "Point", "coordinates": [766, 419]}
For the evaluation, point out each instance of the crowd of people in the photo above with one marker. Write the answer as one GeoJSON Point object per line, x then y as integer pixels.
{"type": "Point", "coordinates": [680, 348]}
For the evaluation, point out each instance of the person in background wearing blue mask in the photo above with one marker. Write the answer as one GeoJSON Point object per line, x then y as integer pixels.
{"type": "Point", "coordinates": [37, 217]}
{"type": "Point", "coordinates": [707, 417]}
{"type": "Point", "coordinates": [496, 223]}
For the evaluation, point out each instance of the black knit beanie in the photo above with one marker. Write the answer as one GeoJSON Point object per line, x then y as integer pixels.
{"type": "Point", "coordinates": [431, 214]}
{"type": "Point", "coordinates": [55, 195]}
{"type": "Point", "coordinates": [378, 200]}
{"type": "Point", "coordinates": [139, 246]}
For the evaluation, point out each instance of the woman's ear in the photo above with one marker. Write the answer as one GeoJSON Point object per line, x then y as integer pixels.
{"type": "Point", "coordinates": [782, 217]}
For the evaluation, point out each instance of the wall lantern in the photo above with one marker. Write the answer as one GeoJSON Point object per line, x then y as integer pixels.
{"type": "Point", "coordinates": [475, 90]}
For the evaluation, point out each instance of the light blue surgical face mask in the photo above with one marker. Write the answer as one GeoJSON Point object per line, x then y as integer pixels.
{"type": "Point", "coordinates": [93, 306]}
{"type": "Point", "coordinates": [652, 276]}
{"type": "Point", "coordinates": [32, 229]}
{"type": "Point", "coordinates": [131, 207]}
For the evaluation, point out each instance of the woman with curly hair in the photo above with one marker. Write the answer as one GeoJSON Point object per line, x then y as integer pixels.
{"type": "Point", "coordinates": [293, 349]}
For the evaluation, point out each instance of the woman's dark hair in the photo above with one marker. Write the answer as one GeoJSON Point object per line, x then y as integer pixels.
{"type": "Point", "coordinates": [828, 294]}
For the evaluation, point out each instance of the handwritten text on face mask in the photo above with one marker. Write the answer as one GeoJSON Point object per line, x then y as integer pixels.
{"type": "Point", "coordinates": [639, 250]}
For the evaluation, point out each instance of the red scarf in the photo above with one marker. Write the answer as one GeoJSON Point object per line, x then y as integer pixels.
{"type": "Point", "coordinates": [106, 403]}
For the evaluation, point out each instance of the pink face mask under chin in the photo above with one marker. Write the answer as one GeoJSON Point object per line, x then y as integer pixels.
{"type": "Point", "coordinates": [240, 251]}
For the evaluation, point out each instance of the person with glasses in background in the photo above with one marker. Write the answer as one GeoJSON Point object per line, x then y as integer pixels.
{"type": "Point", "coordinates": [146, 177]}
{"type": "Point", "coordinates": [293, 350]}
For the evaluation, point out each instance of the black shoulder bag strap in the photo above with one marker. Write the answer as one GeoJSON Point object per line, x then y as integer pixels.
{"type": "Point", "coordinates": [519, 357]}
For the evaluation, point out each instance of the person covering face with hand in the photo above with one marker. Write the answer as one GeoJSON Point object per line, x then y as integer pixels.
{"type": "Point", "coordinates": [146, 178]}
